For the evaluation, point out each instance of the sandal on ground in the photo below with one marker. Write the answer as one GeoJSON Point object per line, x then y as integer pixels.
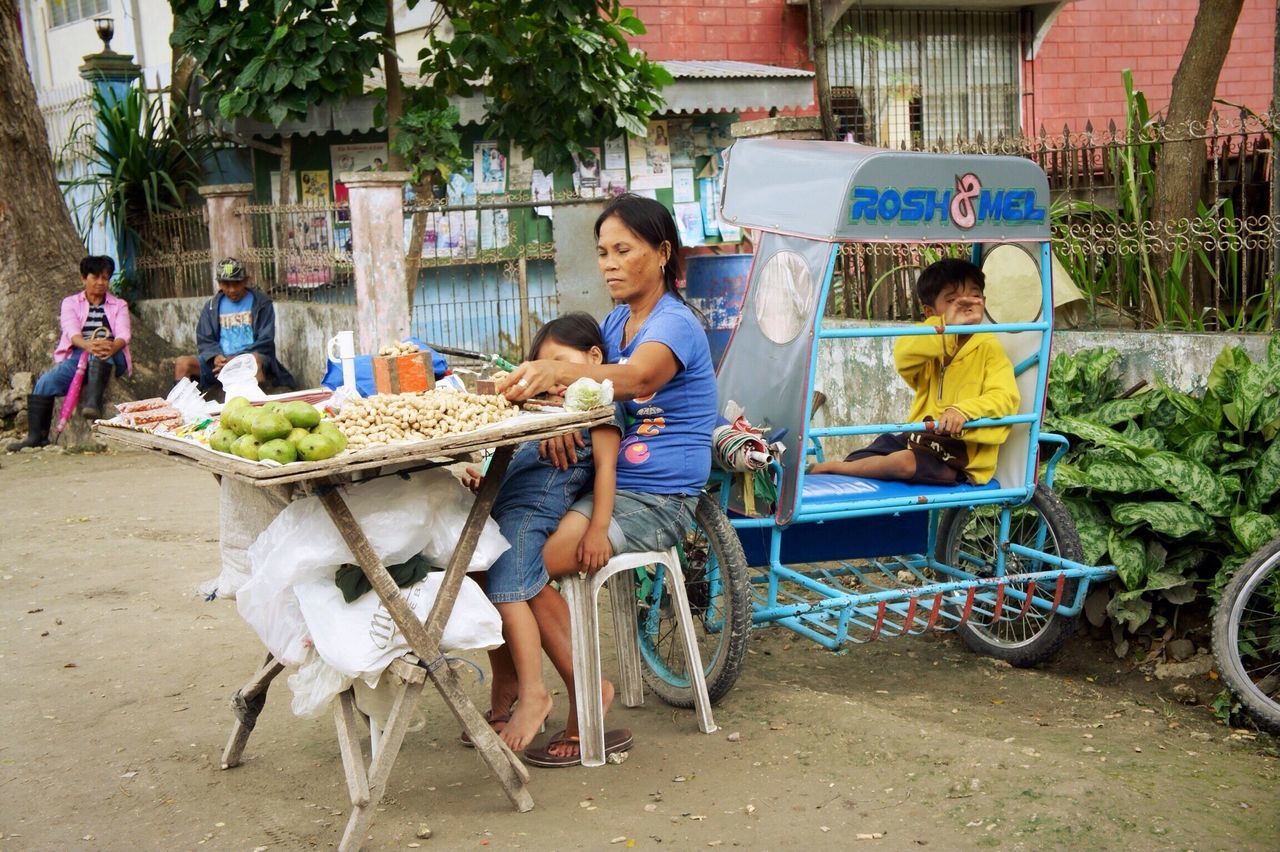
{"type": "Point", "coordinates": [497, 721]}
{"type": "Point", "coordinates": [617, 740]}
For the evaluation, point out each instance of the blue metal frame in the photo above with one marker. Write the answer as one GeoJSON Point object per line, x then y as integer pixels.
{"type": "Point", "coordinates": [818, 602]}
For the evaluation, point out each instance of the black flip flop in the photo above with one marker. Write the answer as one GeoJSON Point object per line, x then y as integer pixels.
{"type": "Point", "coordinates": [617, 740]}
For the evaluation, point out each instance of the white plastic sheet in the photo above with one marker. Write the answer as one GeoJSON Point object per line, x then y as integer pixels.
{"type": "Point", "coordinates": [423, 513]}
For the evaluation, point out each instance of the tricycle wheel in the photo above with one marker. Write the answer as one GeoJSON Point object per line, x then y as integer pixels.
{"type": "Point", "coordinates": [969, 539]}
{"type": "Point", "coordinates": [1246, 636]}
{"type": "Point", "coordinates": [715, 577]}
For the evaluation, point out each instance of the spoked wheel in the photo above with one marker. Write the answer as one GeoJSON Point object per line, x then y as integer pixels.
{"type": "Point", "coordinates": [969, 539]}
{"type": "Point", "coordinates": [1246, 636]}
{"type": "Point", "coordinates": [715, 573]}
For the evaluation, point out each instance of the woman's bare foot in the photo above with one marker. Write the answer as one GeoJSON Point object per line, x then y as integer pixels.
{"type": "Point", "coordinates": [568, 747]}
{"type": "Point", "coordinates": [526, 719]}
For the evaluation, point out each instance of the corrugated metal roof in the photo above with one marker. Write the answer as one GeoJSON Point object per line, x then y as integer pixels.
{"type": "Point", "coordinates": [701, 86]}
{"type": "Point", "coordinates": [725, 69]}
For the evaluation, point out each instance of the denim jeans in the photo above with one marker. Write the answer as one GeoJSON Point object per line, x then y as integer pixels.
{"type": "Point", "coordinates": [534, 496]}
{"type": "Point", "coordinates": [55, 382]}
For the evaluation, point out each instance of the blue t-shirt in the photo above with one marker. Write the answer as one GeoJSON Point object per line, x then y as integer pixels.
{"type": "Point", "coordinates": [235, 320]}
{"type": "Point", "coordinates": [666, 446]}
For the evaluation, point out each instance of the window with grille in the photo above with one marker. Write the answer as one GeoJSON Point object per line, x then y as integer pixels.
{"type": "Point", "coordinates": [910, 77]}
{"type": "Point", "coordinates": [69, 11]}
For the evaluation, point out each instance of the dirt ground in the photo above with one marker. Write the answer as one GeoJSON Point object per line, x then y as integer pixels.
{"type": "Point", "coordinates": [116, 713]}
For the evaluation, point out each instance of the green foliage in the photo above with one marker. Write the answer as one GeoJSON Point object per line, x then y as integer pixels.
{"type": "Point", "coordinates": [1149, 273]}
{"type": "Point", "coordinates": [274, 59]}
{"type": "Point", "coordinates": [555, 75]}
{"type": "Point", "coordinates": [429, 135]}
{"type": "Point", "coordinates": [139, 164]}
{"type": "Point", "coordinates": [1175, 490]}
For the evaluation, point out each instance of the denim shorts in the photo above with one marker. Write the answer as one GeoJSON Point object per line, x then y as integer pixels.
{"type": "Point", "coordinates": [643, 522]}
{"type": "Point", "coordinates": [534, 496]}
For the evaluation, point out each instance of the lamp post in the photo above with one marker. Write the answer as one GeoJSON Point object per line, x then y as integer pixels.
{"type": "Point", "coordinates": [112, 74]}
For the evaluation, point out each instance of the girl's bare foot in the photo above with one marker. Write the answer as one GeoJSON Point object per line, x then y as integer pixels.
{"type": "Point", "coordinates": [568, 747]}
{"type": "Point", "coordinates": [527, 717]}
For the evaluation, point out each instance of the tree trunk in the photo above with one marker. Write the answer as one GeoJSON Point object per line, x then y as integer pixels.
{"type": "Point", "coordinates": [819, 32]}
{"type": "Point", "coordinates": [1180, 165]}
{"type": "Point", "coordinates": [39, 249]}
{"type": "Point", "coordinates": [395, 93]}
{"type": "Point", "coordinates": [285, 222]}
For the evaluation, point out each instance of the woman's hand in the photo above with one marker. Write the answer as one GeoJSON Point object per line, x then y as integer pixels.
{"type": "Point", "coordinates": [473, 479]}
{"type": "Point", "coordinates": [528, 380]}
{"type": "Point", "coordinates": [563, 450]}
{"type": "Point", "coordinates": [594, 550]}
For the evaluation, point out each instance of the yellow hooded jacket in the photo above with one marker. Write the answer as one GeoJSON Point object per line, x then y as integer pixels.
{"type": "Point", "coordinates": [977, 380]}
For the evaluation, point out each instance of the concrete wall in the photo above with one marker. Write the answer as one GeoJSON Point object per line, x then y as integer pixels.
{"type": "Point", "coordinates": [303, 330]}
{"type": "Point", "coordinates": [862, 385]}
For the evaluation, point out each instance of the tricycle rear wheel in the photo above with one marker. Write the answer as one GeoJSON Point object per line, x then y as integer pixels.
{"type": "Point", "coordinates": [715, 579]}
{"type": "Point", "coordinates": [969, 538]}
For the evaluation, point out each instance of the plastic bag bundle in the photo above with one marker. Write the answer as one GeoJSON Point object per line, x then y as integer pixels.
{"type": "Point", "coordinates": [738, 446]}
{"type": "Point", "coordinates": [239, 377]}
{"type": "Point", "coordinates": [586, 394]}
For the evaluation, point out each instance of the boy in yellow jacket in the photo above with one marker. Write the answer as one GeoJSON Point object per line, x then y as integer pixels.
{"type": "Point", "coordinates": [956, 378]}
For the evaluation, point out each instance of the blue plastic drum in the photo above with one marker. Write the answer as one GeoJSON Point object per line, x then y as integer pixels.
{"type": "Point", "coordinates": [716, 285]}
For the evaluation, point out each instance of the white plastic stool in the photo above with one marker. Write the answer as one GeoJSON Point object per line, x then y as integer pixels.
{"type": "Point", "coordinates": [582, 595]}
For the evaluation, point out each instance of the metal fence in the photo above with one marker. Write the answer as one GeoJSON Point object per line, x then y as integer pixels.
{"type": "Point", "coordinates": [1213, 271]}
{"type": "Point", "coordinates": [173, 259]}
{"type": "Point", "coordinates": [485, 272]}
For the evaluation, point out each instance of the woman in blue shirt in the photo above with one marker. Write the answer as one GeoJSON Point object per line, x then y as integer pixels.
{"type": "Point", "coordinates": [660, 365]}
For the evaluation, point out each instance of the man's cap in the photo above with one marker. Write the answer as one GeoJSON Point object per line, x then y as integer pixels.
{"type": "Point", "coordinates": [230, 269]}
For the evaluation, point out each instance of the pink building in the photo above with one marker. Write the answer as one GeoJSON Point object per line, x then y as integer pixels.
{"type": "Point", "coordinates": [903, 70]}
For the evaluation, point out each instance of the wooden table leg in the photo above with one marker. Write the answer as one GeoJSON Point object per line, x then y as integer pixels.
{"type": "Point", "coordinates": [247, 703]}
{"type": "Point", "coordinates": [424, 639]}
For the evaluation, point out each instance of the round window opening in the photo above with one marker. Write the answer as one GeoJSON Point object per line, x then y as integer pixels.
{"type": "Point", "coordinates": [1013, 284]}
{"type": "Point", "coordinates": [786, 294]}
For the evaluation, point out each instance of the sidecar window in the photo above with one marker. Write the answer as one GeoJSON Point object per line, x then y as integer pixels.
{"type": "Point", "coordinates": [1013, 284]}
{"type": "Point", "coordinates": [785, 297]}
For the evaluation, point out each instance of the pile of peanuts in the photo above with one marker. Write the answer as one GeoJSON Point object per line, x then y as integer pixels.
{"type": "Point", "coordinates": [395, 418]}
{"type": "Point", "coordinates": [393, 349]}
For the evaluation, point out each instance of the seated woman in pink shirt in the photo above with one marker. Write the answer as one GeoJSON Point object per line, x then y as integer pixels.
{"type": "Point", "coordinates": [93, 321]}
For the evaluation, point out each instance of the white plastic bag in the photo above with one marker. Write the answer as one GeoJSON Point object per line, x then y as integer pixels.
{"type": "Point", "coordinates": [239, 377]}
{"type": "Point", "coordinates": [244, 512]}
{"type": "Point", "coordinates": [314, 685]}
{"type": "Point", "coordinates": [359, 639]}
{"type": "Point", "coordinates": [401, 517]}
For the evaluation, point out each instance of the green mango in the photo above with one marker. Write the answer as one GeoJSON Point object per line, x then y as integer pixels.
{"type": "Point", "coordinates": [278, 450]}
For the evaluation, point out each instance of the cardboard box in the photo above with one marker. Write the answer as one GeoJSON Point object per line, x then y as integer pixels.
{"type": "Point", "coordinates": [403, 373]}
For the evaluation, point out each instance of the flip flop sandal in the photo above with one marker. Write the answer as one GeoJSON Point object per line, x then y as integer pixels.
{"type": "Point", "coordinates": [617, 740]}
{"type": "Point", "coordinates": [494, 720]}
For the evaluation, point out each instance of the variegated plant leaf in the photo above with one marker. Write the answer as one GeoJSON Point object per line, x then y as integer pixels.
{"type": "Point", "coordinates": [1123, 410]}
{"type": "Point", "coordinates": [1130, 609]}
{"type": "Point", "coordinates": [1095, 432]}
{"type": "Point", "coordinates": [1188, 479]}
{"type": "Point", "coordinates": [1092, 525]}
{"type": "Point", "coordinates": [1120, 477]}
{"type": "Point", "coordinates": [1257, 383]}
{"type": "Point", "coordinates": [1204, 447]}
{"type": "Point", "coordinates": [1172, 519]}
{"type": "Point", "coordinates": [1067, 476]}
{"type": "Point", "coordinates": [1254, 529]}
{"type": "Point", "coordinates": [1265, 479]}
{"type": "Point", "coordinates": [1129, 555]}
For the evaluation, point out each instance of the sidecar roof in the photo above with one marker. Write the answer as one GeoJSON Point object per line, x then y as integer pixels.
{"type": "Point", "coordinates": [842, 192]}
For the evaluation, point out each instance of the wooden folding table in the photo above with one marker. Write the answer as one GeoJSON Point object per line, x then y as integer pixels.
{"type": "Point", "coordinates": [326, 480]}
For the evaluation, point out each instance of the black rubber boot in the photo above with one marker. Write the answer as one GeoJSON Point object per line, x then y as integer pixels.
{"type": "Point", "coordinates": [95, 388]}
{"type": "Point", "coordinates": [39, 418]}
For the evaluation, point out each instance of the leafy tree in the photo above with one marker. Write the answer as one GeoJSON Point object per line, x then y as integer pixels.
{"type": "Point", "coordinates": [554, 74]}
{"type": "Point", "coordinates": [274, 60]}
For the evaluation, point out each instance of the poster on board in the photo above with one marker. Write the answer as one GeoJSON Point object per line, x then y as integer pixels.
{"type": "Point", "coordinates": [650, 157]}
{"type": "Point", "coordinates": [490, 166]}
